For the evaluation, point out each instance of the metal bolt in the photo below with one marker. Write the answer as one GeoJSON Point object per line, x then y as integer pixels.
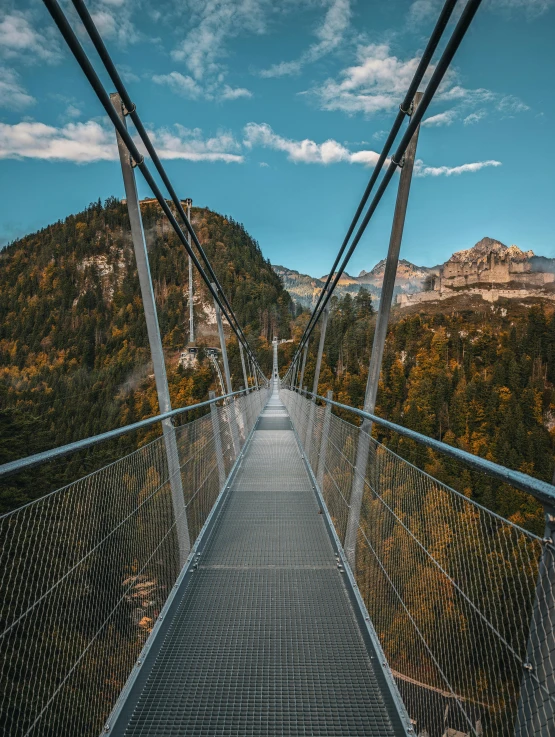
{"type": "Point", "coordinates": [107, 728]}
{"type": "Point", "coordinates": [139, 662]}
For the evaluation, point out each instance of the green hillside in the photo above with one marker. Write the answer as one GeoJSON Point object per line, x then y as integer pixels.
{"type": "Point", "coordinates": [475, 376]}
{"type": "Point", "coordinates": [74, 356]}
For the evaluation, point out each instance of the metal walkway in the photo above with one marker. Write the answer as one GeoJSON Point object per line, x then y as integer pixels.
{"type": "Point", "coordinates": [264, 638]}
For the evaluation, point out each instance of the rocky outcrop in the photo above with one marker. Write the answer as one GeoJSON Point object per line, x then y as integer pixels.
{"type": "Point", "coordinates": [306, 289]}
{"type": "Point", "coordinates": [489, 269]}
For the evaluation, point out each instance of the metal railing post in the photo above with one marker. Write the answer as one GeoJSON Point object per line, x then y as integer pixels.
{"type": "Point", "coordinates": [310, 426]}
{"type": "Point", "coordinates": [254, 373]}
{"type": "Point", "coordinates": [324, 443]}
{"type": "Point", "coordinates": [304, 393]}
{"type": "Point", "coordinates": [380, 334]}
{"type": "Point", "coordinates": [245, 375]}
{"type": "Point", "coordinates": [536, 708]}
{"type": "Point", "coordinates": [215, 417]}
{"type": "Point", "coordinates": [154, 339]}
{"type": "Point", "coordinates": [227, 375]}
{"type": "Point", "coordinates": [189, 202]}
{"type": "Point", "coordinates": [303, 365]}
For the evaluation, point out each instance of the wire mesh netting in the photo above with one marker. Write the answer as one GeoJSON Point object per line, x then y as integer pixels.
{"type": "Point", "coordinates": [449, 586]}
{"type": "Point", "coordinates": [85, 571]}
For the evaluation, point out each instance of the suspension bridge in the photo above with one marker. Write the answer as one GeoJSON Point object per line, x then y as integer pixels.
{"type": "Point", "coordinates": [269, 567]}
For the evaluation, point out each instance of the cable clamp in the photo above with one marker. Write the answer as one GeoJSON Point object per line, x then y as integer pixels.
{"type": "Point", "coordinates": [137, 163]}
{"type": "Point", "coordinates": [528, 666]}
{"type": "Point", "coordinates": [131, 111]}
{"type": "Point", "coordinates": [410, 109]}
{"type": "Point", "coordinates": [400, 164]}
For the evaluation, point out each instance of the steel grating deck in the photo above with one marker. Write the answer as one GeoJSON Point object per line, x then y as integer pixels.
{"type": "Point", "coordinates": [264, 640]}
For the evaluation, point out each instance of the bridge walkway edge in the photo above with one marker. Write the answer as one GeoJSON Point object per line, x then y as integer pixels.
{"type": "Point", "coordinates": [265, 634]}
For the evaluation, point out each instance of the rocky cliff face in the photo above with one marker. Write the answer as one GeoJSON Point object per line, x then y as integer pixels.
{"type": "Point", "coordinates": [482, 251]}
{"type": "Point", "coordinates": [488, 261]}
{"type": "Point", "coordinates": [306, 289]}
{"type": "Point", "coordinates": [490, 270]}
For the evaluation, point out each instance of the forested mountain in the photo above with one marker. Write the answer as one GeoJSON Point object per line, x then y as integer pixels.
{"type": "Point", "coordinates": [74, 356]}
{"type": "Point", "coordinates": [305, 289]}
{"type": "Point", "coordinates": [476, 376]}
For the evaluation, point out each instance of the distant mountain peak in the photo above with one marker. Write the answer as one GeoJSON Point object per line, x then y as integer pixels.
{"type": "Point", "coordinates": [485, 247]}
{"type": "Point", "coordinates": [403, 266]}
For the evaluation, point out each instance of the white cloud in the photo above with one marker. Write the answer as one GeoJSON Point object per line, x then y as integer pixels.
{"type": "Point", "coordinates": [188, 144]}
{"type": "Point", "coordinates": [113, 20]}
{"type": "Point", "coordinates": [78, 142]}
{"type": "Point", "coordinates": [180, 83]}
{"type": "Point", "coordinates": [19, 39]}
{"type": "Point", "coordinates": [445, 118]}
{"type": "Point", "coordinates": [329, 34]}
{"type": "Point", "coordinates": [211, 24]}
{"type": "Point", "coordinates": [533, 8]}
{"type": "Point", "coordinates": [421, 170]}
{"type": "Point", "coordinates": [305, 151]}
{"type": "Point", "coordinates": [377, 83]}
{"type": "Point", "coordinates": [12, 94]}
{"type": "Point", "coordinates": [127, 73]}
{"type": "Point", "coordinates": [422, 11]}
{"type": "Point", "coordinates": [283, 69]}
{"type": "Point", "coordinates": [83, 143]}
{"type": "Point", "coordinates": [72, 111]}
{"type": "Point", "coordinates": [92, 141]}
{"type": "Point", "coordinates": [474, 117]}
{"type": "Point", "coordinates": [185, 85]}
{"type": "Point", "coordinates": [234, 93]}
{"type": "Point", "coordinates": [508, 104]}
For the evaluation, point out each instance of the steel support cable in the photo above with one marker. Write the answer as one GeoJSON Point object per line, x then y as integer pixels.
{"type": "Point", "coordinates": [543, 491]}
{"type": "Point", "coordinates": [439, 72]}
{"type": "Point", "coordinates": [404, 109]}
{"type": "Point", "coordinates": [82, 59]}
{"type": "Point", "coordinates": [427, 553]}
{"type": "Point", "coordinates": [130, 108]}
{"type": "Point", "coordinates": [417, 628]}
{"type": "Point", "coordinates": [78, 445]}
{"type": "Point", "coordinates": [98, 631]}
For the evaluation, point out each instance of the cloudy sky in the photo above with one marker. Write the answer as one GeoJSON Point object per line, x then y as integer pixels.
{"type": "Point", "coordinates": [275, 113]}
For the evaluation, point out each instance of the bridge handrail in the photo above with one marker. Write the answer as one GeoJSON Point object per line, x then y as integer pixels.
{"type": "Point", "coordinates": [543, 491]}
{"type": "Point", "coordinates": [49, 455]}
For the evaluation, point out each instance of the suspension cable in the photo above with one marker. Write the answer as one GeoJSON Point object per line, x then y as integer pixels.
{"type": "Point", "coordinates": [439, 72]}
{"type": "Point", "coordinates": [81, 57]}
{"type": "Point", "coordinates": [131, 110]}
{"type": "Point", "coordinates": [404, 109]}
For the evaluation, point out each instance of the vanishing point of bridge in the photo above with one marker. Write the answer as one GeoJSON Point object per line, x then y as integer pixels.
{"type": "Point", "coordinates": [265, 636]}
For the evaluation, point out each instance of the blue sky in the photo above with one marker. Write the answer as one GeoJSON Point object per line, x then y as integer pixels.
{"type": "Point", "coordinates": [274, 113]}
